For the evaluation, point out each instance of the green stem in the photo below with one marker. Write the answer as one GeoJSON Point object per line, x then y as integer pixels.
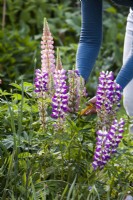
{"type": "Point", "coordinates": [4, 15]}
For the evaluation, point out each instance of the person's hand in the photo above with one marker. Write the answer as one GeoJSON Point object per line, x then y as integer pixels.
{"type": "Point", "coordinates": [92, 100]}
{"type": "Point", "coordinates": [91, 108]}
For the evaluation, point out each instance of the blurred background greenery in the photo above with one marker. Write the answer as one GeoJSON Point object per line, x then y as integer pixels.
{"type": "Point", "coordinates": [21, 29]}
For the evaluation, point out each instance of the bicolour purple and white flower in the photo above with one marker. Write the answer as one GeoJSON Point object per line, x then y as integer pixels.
{"type": "Point", "coordinates": [110, 130]}
{"type": "Point", "coordinates": [108, 98]}
{"type": "Point", "coordinates": [107, 143]}
{"type": "Point", "coordinates": [60, 98]}
{"type": "Point", "coordinates": [47, 50]}
{"type": "Point", "coordinates": [41, 89]}
{"type": "Point", "coordinates": [108, 93]}
{"type": "Point", "coordinates": [41, 82]}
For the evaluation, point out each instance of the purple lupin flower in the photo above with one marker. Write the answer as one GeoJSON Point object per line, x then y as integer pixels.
{"type": "Point", "coordinates": [47, 49]}
{"type": "Point", "coordinates": [110, 130]}
{"type": "Point", "coordinates": [41, 82]}
{"type": "Point", "coordinates": [108, 98]}
{"type": "Point", "coordinates": [41, 88]}
{"type": "Point", "coordinates": [60, 98]}
{"type": "Point", "coordinates": [98, 155]}
{"type": "Point", "coordinates": [107, 143]}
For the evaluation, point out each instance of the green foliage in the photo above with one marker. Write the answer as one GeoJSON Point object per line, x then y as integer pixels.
{"type": "Point", "coordinates": [18, 51]}
{"type": "Point", "coordinates": [37, 163]}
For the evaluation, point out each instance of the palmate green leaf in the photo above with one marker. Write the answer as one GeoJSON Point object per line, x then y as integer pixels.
{"type": "Point", "coordinates": [8, 142]}
{"type": "Point", "coordinates": [4, 93]}
{"type": "Point", "coordinates": [17, 96]}
{"type": "Point", "coordinates": [16, 86]}
{"type": "Point", "coordinates": [26, 86]}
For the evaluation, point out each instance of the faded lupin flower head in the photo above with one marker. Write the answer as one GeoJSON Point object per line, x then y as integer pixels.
{"type": "Point", "coordinates": [73, 94]}
{"type": "Point", "coordinates": [107, 143]}
{"type": "Point", "coordinates": [82, 87]}
{"type": "Point", "coordinates": [47, 49]}
{"type": "Point", "coordinates": [60, 98]}
{"type": "Point", "coordinates": [77, 90]}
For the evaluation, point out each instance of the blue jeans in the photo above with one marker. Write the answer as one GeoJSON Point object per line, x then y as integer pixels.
{"type": "Point", "coordinates": [128, 51]}
{"type": "Point", "coordinates": [90, 42]}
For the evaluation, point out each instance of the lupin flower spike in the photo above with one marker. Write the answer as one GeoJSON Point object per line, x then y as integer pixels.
{"type": "Point", "coordinates": [41, 82]}
{"type": "Point", "coordinates": [110, 133]}
{"type": "Point", "coordinates": [44, 76]}
{"type": "Point", "coordinates": [74, 92]}
{"type": "Point", "coordinates": [77, 90]}
{"type": "Point", "coordinates": [107, 143]}
{"type": "Point", "coordinates": [60, 98]}
{"type": "Point", "coordinates": [108, 98]}
{"type": "Point", "coordinates": [47, 49]}
{"type": "Point", "coordinates": [41, 89]}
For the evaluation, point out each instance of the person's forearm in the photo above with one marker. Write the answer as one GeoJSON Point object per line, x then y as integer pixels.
{"type": "Point", "coordinates": [90, 37]}
{"type": "Point", "coordinates": [126, 73]}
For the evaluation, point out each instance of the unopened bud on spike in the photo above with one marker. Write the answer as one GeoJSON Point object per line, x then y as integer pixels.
{"type": "Point", "coordinates": [45, 25]}
{"type": "Point", "coordinates": [58, 61]}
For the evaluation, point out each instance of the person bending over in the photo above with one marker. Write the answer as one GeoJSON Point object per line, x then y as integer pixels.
{"type": "Point", "coordinates": [90, 42]}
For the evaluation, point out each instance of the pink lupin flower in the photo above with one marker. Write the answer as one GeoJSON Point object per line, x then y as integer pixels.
{"type": "Point", "coordinates": [48, 56]}
{"type": "Point", "coordinates": [47, 49]}
{"type": "Point", "coordinates": [44, 76]}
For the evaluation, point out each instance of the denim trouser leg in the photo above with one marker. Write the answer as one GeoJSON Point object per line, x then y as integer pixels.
{"type": "Point", "coordinates": [90, 36]}
{"type": "Point", "coordinates": [128, 50]}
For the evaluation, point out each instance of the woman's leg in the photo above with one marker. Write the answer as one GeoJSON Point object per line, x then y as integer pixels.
{"type": "Point", "coordinates": [128, 50]}
{"type": "Point", "coordinates": [90, 36]}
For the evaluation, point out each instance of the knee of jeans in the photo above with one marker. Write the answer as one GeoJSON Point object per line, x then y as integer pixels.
{"type": "Point", "coordinates": [128, 98]}
{"type": "Point", "coordinates": [128, 104]}
{"type": "Point", "coordinates": [128, 107]}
